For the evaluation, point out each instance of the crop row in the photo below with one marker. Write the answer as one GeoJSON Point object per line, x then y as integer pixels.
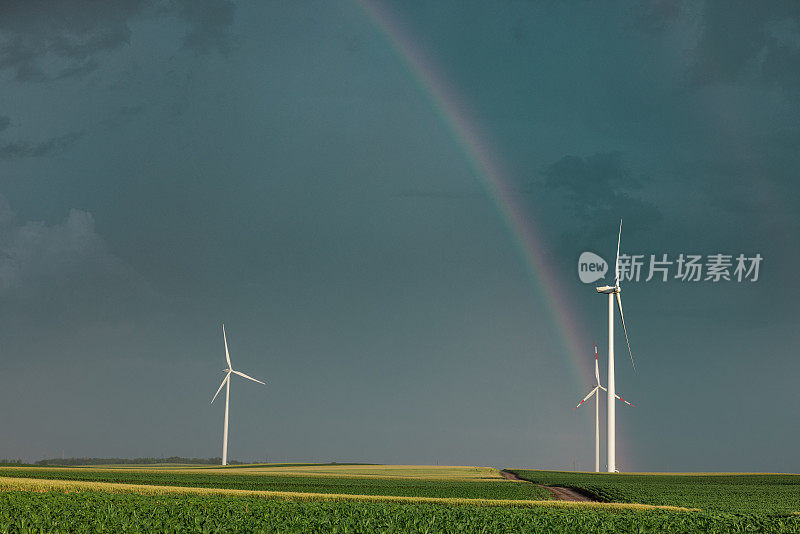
{"type": "Point", "coordinates": [476, 489]}
{"type": "Point", "coordinates": [760, 493]}
{"type": "Point", "coordinates": [129, 513]}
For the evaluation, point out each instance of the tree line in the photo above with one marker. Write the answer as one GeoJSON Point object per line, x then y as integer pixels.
{"type": "Point", "coordinates": [101, 461]}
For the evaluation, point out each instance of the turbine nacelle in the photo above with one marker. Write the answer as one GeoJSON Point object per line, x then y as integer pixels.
{"type": "Point", "coordinates": [608, 289]}
{"type": "Point", "coordinates": [598, 386]}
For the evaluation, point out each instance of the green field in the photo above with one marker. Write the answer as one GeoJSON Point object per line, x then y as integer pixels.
{"type": "Point", "coordinates": [110, 512]}
{"type": "Point", "coordinates": [370, 498]}
{"type": "Point", "coordinates": [483, 484]}
{"type": "Point", "coordinates": [756, 493]}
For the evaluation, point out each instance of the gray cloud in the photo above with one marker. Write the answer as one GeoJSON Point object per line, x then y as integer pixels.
{"type": "Point", "coordinates": [329, 244]}
{"type": "Point", "coordinates": [590, 179]}
{"type": "Point", "coordinates": [53, 271]}
{"type": "Point", "coordinates": [656, 15]}
{"type": "Point", "coordinates": [75, 33]}
{"type": "Point", "coordinates": [18, 150]}
{"type": "Point", "coordinates": [123, 114]}
{"type": "Point", "coordinates": [781, 66]}
{"type": "Point", "coordinates": [72, 32]}
{"type": "Point", "coordinates": [730, 39]}
{"type": "Point", "coordinates": [598, 189]}
{"type": "Point", "coordinates": [432, 194]}
{"type": "Point", "coordinates": [209, 24]}
{"type": "Point", "coordinates": [78, 70]}
{"type": "Point", "coordinates": [748, 39]}
{"type": "Point", "coordinates": [4, 122]}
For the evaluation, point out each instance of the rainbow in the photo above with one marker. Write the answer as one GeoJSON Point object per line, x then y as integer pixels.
{"type": "Point", "coordinates": [494, 179]}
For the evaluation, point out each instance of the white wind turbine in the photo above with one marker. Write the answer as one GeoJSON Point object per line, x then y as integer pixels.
{"type": "Point", "coordinates": [614, 291]}
{"type": "Point", "coordinates": [596, 389]}
{"type": "Point", "coordinates": [227, 383]}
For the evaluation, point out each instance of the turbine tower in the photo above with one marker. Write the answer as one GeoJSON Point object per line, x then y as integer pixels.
{"type": "Point", "coordinates": [612, 292]}
{"type": "Point", "coordinates": [227, 383]}
{"type": "Point", "coordinates": [597, 389]}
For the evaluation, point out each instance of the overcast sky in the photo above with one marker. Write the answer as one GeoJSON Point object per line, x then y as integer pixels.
{"type": "Point", "coordinates": [288, 169]}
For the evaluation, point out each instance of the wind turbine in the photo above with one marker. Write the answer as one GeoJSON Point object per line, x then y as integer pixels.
{"type": "Point", "coordinates": [614, 291]}
{"type": "Point", "coordinates": [227, 383]}
{"type": "Point", "coordinates": [596, 389]}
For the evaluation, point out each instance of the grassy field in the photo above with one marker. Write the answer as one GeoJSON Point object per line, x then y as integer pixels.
{"type": "Point", "coordinates": [755, 493]}
{"type": "Point", "coordinates": [40, 485]}
{"type": "Point", "coordinates": [320, 470]}
{"type": "Point", "coordinates": [460, 482]}
{"type": "Point", "coordinates": [92, 511]}
{"type": "Point", "coordinates": [427, 472]}
{"type": "Point", "coordinates": [366, 498]}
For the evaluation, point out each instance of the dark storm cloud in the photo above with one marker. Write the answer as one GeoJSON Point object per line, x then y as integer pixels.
{"type": "Point", "coordinates": [598, 185]}
{"type": "Point", "coordinates": [431, 194]}
{"type": "Point", "coordinates": [782, 66]}
{"type": "Point", "coordinates": [748, 38]}
{"type": "Point", "coordinates": [11, 151]}
{"type": "Point", "coordinates": [70, 30]}
{"type": "Point", "coordinates": [316, 201]}
{"type": "Point", "coordinates": [209, 24]}
{"type": "Point", "coordinates": [65, 265]}
{"type": "Point", "coordinates": [78, 70]}
{"type": "Point", "coordinates": [782, 140]}
{"type": "Point", "coordinates": [656, 15]}
{"type": "Point", "coordinates": [124, 114]}
{"type": "Point", "coordinates": [73, 34]}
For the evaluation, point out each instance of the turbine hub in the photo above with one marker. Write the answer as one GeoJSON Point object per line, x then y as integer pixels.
{"type": "Point", "coordinates": [608, 290]}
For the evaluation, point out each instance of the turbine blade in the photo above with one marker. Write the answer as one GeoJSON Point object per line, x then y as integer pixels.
{"type": "Point", "coordinates": [227, 376]}
{"type": "Point", "coordinates": [623, 400]}
{"type": "Point", "coordinates": [227, 356]}
{"type": "Point", "coordinates": [596, 368]}
{"type": "Point", "coordinates": [585, 398]}
{"type": "Point", "coordinates": [616, 262]}
{"type": "Point", "coordinates": [601, 387]}
{"type": "Point", "coordinates": [621, 316]}
{"type": "Point", "coordinates": [248, 377]}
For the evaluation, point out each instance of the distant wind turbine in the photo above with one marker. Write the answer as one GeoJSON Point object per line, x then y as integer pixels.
{"type": "Point", "coordinates": [613, 291]}
{"type": "Point", "coordinates": [227, 383]}
{"type": "Point", "coordinates": [596, 389]}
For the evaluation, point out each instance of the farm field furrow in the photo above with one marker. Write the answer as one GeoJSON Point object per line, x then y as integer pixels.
{"type": "Point", "coordinates": [756, 493]}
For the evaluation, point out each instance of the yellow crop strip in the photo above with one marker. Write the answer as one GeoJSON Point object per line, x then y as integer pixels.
{"type": "Point", "coordinates": [410, 472]}
{"type": "Point", "coordinates": [413, 472]}
{"type": "Point", "coordinates": [44, 485]}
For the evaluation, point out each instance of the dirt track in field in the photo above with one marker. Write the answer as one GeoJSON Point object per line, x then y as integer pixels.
{"type": "Point", "coordinates": [559, 493]}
